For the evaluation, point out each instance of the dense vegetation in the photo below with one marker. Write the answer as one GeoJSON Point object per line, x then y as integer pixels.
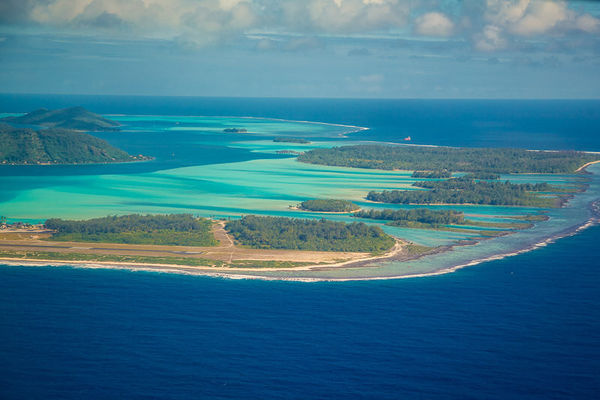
{"type": "Point", "coordinates": [77, 118]}
{"type": "Point", "coordinates": [499, 161]}
{"type": "Point", "coordinates": [291, 140]}
{"type": "Point", "coordinates": [422, 215]}
{"type": "Point", "coordinates": [482, 175]}
{"type": "Point", "coordinates": [173, 229]}
{"type": "Point", "coordinates": [319, 235]}
{"type": "Point", "coordinates": [432, 174]}
{"type": "Point", "coordinates": [56, 146]}
{"type": "Point", "coordinates": [466, 183]}
{"type": "Point", "coordinates": [328, 205]}
{"type": "Point", "coordinates": [436, 219]}
{"type": "Point", "coordinates": [464, 190]}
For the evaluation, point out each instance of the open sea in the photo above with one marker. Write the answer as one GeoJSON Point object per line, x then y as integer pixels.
{"type": "Point", "coordinates": [524, 327]}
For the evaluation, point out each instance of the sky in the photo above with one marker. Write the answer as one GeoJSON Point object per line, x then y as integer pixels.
{"type": "Point", "coordinates": [302, 48]}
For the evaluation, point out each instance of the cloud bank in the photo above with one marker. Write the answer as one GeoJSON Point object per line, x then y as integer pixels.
{"type": "Point", "coordinates": [487, 26]}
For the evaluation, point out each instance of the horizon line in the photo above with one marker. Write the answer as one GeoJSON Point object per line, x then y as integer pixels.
{"type": "Point", "coordinates": [307, 97]}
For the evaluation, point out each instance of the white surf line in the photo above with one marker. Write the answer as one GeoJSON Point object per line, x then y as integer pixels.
{"type": "Point", "coordinates": [358, 128]}
{"type": "Point", "coordinates": [202, 271]}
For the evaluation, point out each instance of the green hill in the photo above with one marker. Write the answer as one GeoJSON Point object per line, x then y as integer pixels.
{"type": "Point", "coordinates": [77, 118]}
{"type": "Point", "coordinates": [56, 146]}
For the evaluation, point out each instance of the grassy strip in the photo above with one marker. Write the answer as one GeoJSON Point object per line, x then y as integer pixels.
{"type": "Point", "coordinates": [158, 237]}
{"type": "Point", "coordinates": [529, 218]}
{"type": "Point", "coordinates": [60, 256]}
{"type": "Point", "coordinates": [192, 262]}
{"type": "Point", "coordinates": [421, 225]}
{"type": "Point", "coordinates": [417, 249]}
{"type": "Point", "coordinates": [267, 264]}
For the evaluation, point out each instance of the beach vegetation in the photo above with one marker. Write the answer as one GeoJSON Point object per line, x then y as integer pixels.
{"type": "Point", "coordinates": [308, 234]}
{"type": "Point", "coordinates": [171, 229]}
{"type": "Point", "coordinates": [283, 139]}
{"type": "Point", "coordinates": [426, 158]}
{"type": "Point", "coordinates": [468, 191]}
{"type": "Point", "coordinates": [444, 173]}
{"type": "Point", "coordinates": [328, 205]}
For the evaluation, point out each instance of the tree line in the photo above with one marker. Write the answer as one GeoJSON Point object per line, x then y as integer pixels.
{"type": "Point", "coordinates": [492, 160]}
{"type": "Point", "coordinates": [468, 191]}
{"type": "Point", "coordinates": [432, 174]}
{"type": "Point", "coordinates": [307, 234]}
{"type": "Point", "coordinates": [172, 229]}
{"type": "Point", "coordinates": [328, 205]}
{"type": "Point", "coordinates": [423, 215]}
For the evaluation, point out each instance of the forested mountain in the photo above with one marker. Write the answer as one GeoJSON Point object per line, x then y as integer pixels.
{"type": "Point", "coordinates": [56, 146]}
{"type": "Point", "coordinates": [77, 118]}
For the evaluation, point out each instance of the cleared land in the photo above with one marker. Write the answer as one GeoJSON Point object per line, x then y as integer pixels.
{"type": "Point", "coordinates": [224, 254]}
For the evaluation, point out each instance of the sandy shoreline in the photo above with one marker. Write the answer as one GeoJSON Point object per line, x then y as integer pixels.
{"type": "Point", "coordinates": [394, 254]}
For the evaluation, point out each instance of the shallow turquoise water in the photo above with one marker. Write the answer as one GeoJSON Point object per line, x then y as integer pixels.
{"type": "Point", "coordinates": [261, 186]}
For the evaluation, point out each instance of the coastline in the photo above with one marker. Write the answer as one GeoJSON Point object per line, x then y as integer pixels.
{"type": "Point", "coordinates": [236, 272]}
{"type": "Point", "coordinates": [296, 208]}
{"type": "Point", "coordinates": [233, 272]}
{"type": "Point", "coordinates": [199, 270]}
{"type": "Point", "coordinates": [353, 128]}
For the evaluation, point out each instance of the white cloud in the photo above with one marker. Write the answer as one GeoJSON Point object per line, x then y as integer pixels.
{"type": "Point", "coordinates": [342, 16]}
{"type": "Point", "coordinates": [434, 24]}
{"type": "Point", "coordinates": [492, 24]}
{"type": "Point", "coordinates": [587, 23]}
{"type": "Point", "coordinates": [206, 21]}
{"type": "Point", "coordinates": [541, 16]}
{"type": "Point", "coordinates": [58, 11]}
{"type": "Point", "coordinates": [490, 39]}
{"type": "Point", "coordinates": [509, 20]}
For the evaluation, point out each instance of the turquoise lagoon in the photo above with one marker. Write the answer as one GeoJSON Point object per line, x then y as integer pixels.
{"type": "Point", "coordinates": [197, 170]}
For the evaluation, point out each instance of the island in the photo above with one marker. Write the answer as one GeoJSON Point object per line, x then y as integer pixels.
{"type": "Point", "coordinates": [352, 244]}
{"type": "Point", "coordinates": [184, 243]}
{"type": "Point", "coordinates": [76, 118]}
{"type": "Point", "coordinates": [448, 220]}
{"type": "Point", "coordinates": [453, 159]}
{"type": "Point", "coordinates": [235, 130]}
{"type": "Point", "coordinates": [24, 146]}
{"type": "Point", "coordinates": [466, 190]}
{"type": "Point", "coordinates": [283, 139]}
{"type": "Point", "coordinates": [328, 205]}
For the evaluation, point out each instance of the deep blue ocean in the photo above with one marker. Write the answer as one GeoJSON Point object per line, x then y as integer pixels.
{"type": "Point", "coordinates": [525, 327]}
